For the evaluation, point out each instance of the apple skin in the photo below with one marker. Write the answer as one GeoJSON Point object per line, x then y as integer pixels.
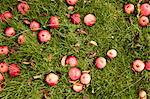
{"type": "Point", "coordinates": [145, 9]}
{"type": "Point", "coordinates": [34, 26]}
{"type": "Point", "coordinates": [23, 7]}
{"type": "Point", "coordinates": [72, 61]}
{"type": "Point", "coordinates": [52, 79]}
{"type": "Point", "coordinates": [100, 62]}
{"type": "Point", "coordinates": [44, 36]}
{"type": "Point", "coordinates": [143, 21]}
{"type": "Point", "coordinates": [14, 70]}
{"type": "Point", "coordinates": [10, 31]}
{"type": "Point", "coordinates": [129, 8]}
{"type": "Point", "coordinates": [85, 78]}
{"type": "Point", "coordinates": [71, 2]}
{"type": "Point", "coordinates": [78, 87]}
{"type": "Point", "coordinates": [75, 18]}
{"type": "Point", "coordinates": [74, 73]}
{"type": "Point", "coordinates": [138, 65]}
{"type": "Point", "coordinates": [4, 50]}
{"type": "Point", "coordinates": [3, 67]}
{"type": "Point", "coordinates": [89, 20]}
{"type": "Point", "coordinates": [54, 22]}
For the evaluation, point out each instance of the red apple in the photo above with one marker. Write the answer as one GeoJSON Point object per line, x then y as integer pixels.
{"type": "Point", "coordinates": [72, 61]}
{"type": "Point", "coordinates": [147, 65]}
{"type": "Point", "coordinates": [143, 21]}
{"type": "Point", "coordinates": [138, 65]}
{"type": "Point", "coordinates": [23, 7]}
{"type": "Point", "coordinates": [44, 36]}
{"type": "Point", "coordinates": [85, 78]}
{"type": "Point", "coordinates": [129, 8]}
{"type": "Point", "coordinates": [145, 9]}
{"type": "Point", "coordinates": [89, 20]}
{"type": "Point", "coordinates": [7, 15]}
{"type": "Point", "coordinates": [10, 31]}
{"type": "Point", "coordinates": [34, 26]}
{"type": "Point", "coordinates": [100, 62]}
{"type": "Point", "coordinates": [14, 70]}
{"type": "Point", "coordinates": [112, 53]}
{"type": "Point", "coordinates": [72, 2]}
{"type": "Point", "coordinates": [21, 39]}
{"type": "Point", "coordinates": [74, 73]}
{"type": "Point", "coordinates": [2, 78]}
{"type": "Point", "coordinates": [3, 67]}
{"type": "Point", "coordinates": [54, 22]}
{"type": "Point", "coordinates": [4, 50]}
{"type": "Point", "coordinates": [78, 87]}
{"type": "Point", "coordinates": [52, 79]}
{"type": "Point", "coordinates": [75, 18]}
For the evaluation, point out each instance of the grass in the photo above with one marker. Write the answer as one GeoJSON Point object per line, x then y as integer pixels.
{"type": "Point", "coordinates": [112, 30]}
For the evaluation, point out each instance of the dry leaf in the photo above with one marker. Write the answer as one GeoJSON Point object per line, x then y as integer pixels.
{"type": "Point", "coordinates": [92, 54]}
{"type": "Point", "coordinates": [29, 81]}
{"type": "Point", "coordinates": [26, 63]}
{"type": "Point", "coordinates": [86, 71]}
{"type": "Point", "coordinates": [37, 77]}
{"type": "Point", "coordinates": [50, 57]}
{"type": "Point", "coordinates": [82, 31]}
{"type": "Point", "coordinates": [63, 60]}
{"type": "Point", "coordinates": [73, 81]}
{"type": "Point", "coordinates": [93, 43]}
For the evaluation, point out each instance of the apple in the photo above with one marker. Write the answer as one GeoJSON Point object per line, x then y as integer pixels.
{"type": "Point", "coordinates": [4, 50]}
{"type": "Point", "coordinates": [89, 20]}
{"type": "Point", "coordinates": [85, 78]}
{"type": "Point", "coordinates": [10, 31]}
{"type": "Point", "coordinates": [72, 61]}
{"type": "Point", "coordinates": [74, 73]}
{"type": "Point", "coordinates": [143, 21]}
{"type": "Point", "coordinates": [34, 26]}
{"type": "Point", "coordinates": [23, 7]}
{"type": "Point", "coordinates": [14, 70]}
{"type": "Point", "coordinates": [100, 62]}
{"type": "Point", "coordinates": [78, 87]}
{"type": "Point", "coordinates": [44, 36]}
{"type": "Point", "coordinates": [112, 53]}
{"type": "Point", "coordinates": [129, 8]}
{"type": "Point", "coordinates": [71, 2]}
{"type": "Point", "coordinates": [145, 9]}
{"type": "Point", "coordinates": [75, 18]}
{"type": "Point", "coordinates": [3, 67]}
{"type": "Point", "coordinates": [52, 79]}
{"type": "Point", "coordinates": [147, 65]}
{"type": "Point", "coordinates": [21, 39]}
{"type": "Point", "coordinates": [54, 22]}
{"type": "Point", "coordinates": [138, 65]}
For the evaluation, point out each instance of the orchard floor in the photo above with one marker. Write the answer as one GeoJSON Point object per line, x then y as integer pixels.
{"type": "Point", "coordinates": [114, 29]}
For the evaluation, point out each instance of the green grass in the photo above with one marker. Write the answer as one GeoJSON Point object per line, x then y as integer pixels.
{"type": "Point", "coordinates": [115, 81]}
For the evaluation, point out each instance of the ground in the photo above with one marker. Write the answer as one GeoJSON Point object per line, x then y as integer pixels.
{"type": "Point", "coordinates": [114, 29]}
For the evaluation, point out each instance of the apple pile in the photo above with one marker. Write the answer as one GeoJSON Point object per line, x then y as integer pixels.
{"type": "Point", "coordinates": [143, 10]}
{"type": "Point", "coordinates": [81, 79]}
